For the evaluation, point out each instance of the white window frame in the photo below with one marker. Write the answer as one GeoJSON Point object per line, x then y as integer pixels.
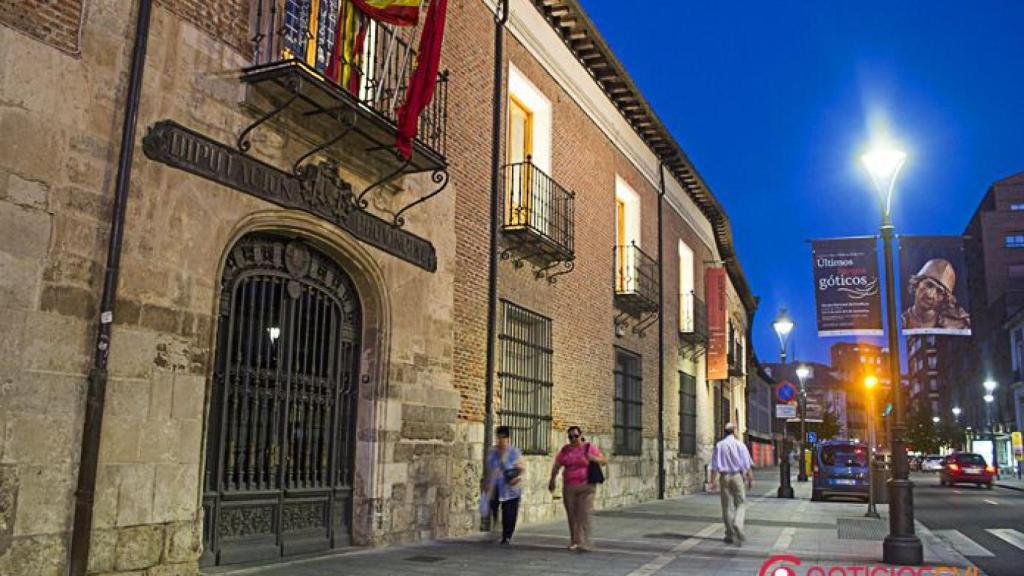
{"type": "Point", "coordinates": [686, 288]}
{"type": "Point", "coordinates": [624, 193]}
{"type": "Point", "coordinates": [540, 107]}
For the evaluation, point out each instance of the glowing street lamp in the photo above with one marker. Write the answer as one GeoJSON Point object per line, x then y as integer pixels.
{"type": "Point", "coordinates": [990, 387]}
{"type": "Point", "coordinates": [802, 372]}
{"type": "Point", "coordinates": [869, 383]}
{"type": "Point", "coordinates": [901, 546]}
{"type": "Point", "coordinates": [935, 419]}
{"type": "Point", "coordinates": [783, 325]}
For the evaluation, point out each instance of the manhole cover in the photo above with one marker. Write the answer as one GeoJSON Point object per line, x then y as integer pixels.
{"type": "Point", "coordinates": [861, 529]}
{"type": "Point", "coordinates": [424, 559]}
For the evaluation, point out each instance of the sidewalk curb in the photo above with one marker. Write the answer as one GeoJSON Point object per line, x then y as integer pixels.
{"type": "Point", "coordinates": [1011, 487]}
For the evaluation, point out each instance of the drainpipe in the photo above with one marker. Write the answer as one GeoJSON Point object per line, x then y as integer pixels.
{"type": "Point", "coordinates": [96, 395]}
{"type": "Point", "coordinates": [500, 18]}
{"type": "Point", "coordinates": [661, 338]}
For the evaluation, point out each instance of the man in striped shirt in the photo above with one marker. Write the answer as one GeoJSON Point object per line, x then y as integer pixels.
{"type": "Point", "coordinates": [731, 461]}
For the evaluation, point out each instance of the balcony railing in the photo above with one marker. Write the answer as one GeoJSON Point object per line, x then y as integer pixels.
{"type": "Point", "coordinates": [693, 318]}
{"type": "Point", "coordinates": [336, 60]}
{"type": "Point", "coordinates": [538, 220]}
{"type": "Point", "coordinates": [636, 281]}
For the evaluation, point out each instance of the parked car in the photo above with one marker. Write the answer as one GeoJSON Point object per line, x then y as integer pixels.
{"type": "Point", "coordinates": [932, 463]}
{"type": "Point", "coordinates": [915, 462]}
{"type": "Point", "coordinates": [965, 467]}
{"type": "Point", "coordinates": [840, 468]}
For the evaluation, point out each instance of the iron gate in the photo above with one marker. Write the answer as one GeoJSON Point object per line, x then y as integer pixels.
{"type": "Point", "coordinates": [280, 444]}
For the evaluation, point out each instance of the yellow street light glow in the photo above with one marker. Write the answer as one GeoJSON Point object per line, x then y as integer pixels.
{"type": "Point", "coordinates": [870, 382]}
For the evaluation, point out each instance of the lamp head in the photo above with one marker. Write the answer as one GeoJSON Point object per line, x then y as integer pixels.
{"type": "Point", "coordinates": [935, 419]}
{"type": "Point", "coordinates": [782, 324]}
{"type": "Point", "coordinates": [956, 411]}
{"type": "Point", "coordinates": [802, 372]}
{"type": "Point", "coordinates": [870, 382]}
{"type": "Point", "coordinates": [883, 164]}
{"type": "Point", "coordinates": [990, 385]}
{"type": "Point", "coordinates": [989, 398]}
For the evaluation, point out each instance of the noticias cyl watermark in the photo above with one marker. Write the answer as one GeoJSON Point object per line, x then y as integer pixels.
{"type": "Point", "coordinates": [789, 565]}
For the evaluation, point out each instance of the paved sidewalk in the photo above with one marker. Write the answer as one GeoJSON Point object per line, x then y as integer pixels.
{"type": "Point", "coordinates": [1008, 480]}
{"type": "Point", "coordinates": [679, 536]}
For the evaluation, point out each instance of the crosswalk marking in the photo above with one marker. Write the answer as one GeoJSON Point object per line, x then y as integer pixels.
{"type": "Point", "coordinates": [992, 502]}
{"type": "Point", "coordinates": [662, 560]}
{"type": "Point", "coordinates": [1008, 535]}
{"type": "Point", "coordinates": [962, 544]}
{"type": "Point", "coordinates": [784, 540]}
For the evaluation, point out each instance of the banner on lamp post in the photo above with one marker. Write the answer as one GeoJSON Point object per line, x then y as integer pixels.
{"type": "Point", "coordinates": [847, 297]}
{"type": "Point", "coordinates": [717, 359]}
{"type": "Point", "coordinates": [933, 274]}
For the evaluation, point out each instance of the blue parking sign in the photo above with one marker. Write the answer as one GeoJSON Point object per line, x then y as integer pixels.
{"type": "Point", "coordinates": [812, 437]}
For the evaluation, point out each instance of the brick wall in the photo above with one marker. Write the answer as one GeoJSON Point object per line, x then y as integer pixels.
{"type": "Point", "coordinates": [55, 22]}
{"type": "Point", "coordinates": [226, 20]}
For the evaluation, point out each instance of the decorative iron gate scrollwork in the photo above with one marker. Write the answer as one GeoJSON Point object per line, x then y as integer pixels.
{"type": "Point", "coordinates": [280, 445]}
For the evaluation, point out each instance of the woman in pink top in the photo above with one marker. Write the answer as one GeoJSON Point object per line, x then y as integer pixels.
{"type": "Point", "coordinates": [578, 496]}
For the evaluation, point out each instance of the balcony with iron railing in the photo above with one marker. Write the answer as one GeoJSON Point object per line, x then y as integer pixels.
{"type": "Point", "coordinates": [636, 281]}
{"type": "Point", "coordinates": [341, 78]}
{"type": "Point", "coordinates": [693, 318]}
{"type": "Point", "coordinates": [538, 219]}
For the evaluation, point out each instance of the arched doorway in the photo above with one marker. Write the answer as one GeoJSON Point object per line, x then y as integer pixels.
{"type": "Point", "coordinates": [281, 437]}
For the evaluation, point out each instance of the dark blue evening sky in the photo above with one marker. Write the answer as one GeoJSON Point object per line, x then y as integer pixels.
{"type": "Point", "coordinates": [774, 101]}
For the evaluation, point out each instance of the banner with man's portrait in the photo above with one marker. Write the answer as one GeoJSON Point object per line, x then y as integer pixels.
{"type": "Point", "coordinates": [847, 290]}
{"type": "Point", "coordinates": [933, 278]}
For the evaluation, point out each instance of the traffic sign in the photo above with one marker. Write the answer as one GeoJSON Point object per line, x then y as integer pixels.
{"type": "Point", "coordinates": [812, 438]}
{"type": "Point", "coordinates": [785, 410]}
{"type": "Point", "coordinates": [785, 391]}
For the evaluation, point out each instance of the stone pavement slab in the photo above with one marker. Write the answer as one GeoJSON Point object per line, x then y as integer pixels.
{"type": "Point", "coordinates": [678, 536]}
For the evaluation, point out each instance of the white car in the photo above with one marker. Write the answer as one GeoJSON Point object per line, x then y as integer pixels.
{"type": "Point", "coordinates": [932, 463]}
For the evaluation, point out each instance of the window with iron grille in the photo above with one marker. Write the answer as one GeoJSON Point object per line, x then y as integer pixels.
{"type": "Point", "coordinates": [687, 413]}
{"type": "Point", "coordinates": [525, 377]}
{"type": "Point", "coordinates": [628, 403]}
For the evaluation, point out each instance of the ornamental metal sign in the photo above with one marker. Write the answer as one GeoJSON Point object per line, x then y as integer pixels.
{"type": "Point", "coordinates": [317, 189]}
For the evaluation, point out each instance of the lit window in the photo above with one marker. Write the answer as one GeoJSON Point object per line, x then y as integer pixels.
{"type": "Point", "coordinates": [1017, 206]}
{"type": "Point", "coordinates": [627, 232]}
{"type": "Point", "coordinates": [1015, 240]}
{"type": "Point", "coordinates": [687, 306]}
{"type": "Point", "coordinates": [528, 150]}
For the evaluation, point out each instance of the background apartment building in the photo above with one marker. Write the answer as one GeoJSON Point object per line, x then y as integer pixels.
{"type": "Point", "coordinates": [296, 358]}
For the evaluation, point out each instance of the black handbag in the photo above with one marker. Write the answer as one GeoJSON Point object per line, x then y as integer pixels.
{"type": "Point", "coordinates": [595, 475]}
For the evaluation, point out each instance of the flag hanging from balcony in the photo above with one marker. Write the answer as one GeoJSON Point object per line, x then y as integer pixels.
{"type": "Point", "coordinates": [424, 77]}
{"type": "Point", "coordinates": [397, 12]}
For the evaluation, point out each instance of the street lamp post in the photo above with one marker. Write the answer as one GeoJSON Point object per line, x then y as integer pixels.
{"type": "Point", "coordinates": [901, 546]}
{"type": "Point", "coordinates": [870, 382]}
{"type": "Point", "coordinates": [990, 387]}
{"type": "Point", "coordinates": [783, 325]}
{"type": "Point", "coordinates": [956, 416]}
{"type": "Point", "coordinates": [802, 372]}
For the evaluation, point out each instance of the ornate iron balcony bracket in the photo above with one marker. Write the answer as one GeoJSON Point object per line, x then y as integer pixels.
{"type": "Point", "coordinates": [361, 201]}
{"type": "Point", "coordinates": [347, 127]}
{"type": "Point", "coordinates": [567, 265]}
{"type": "Point", "coordinates": [644, 322]}
{"type": "Point", "coordinates": [292, 86]}
{"type": "Point", "coordinates": [439, 177]}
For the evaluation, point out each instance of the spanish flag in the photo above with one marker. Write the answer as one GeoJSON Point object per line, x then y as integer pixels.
{"type": "Point", "coordinates": [397, 12]}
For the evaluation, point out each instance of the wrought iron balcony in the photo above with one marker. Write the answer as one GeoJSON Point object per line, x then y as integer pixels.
{"type": "Point", "coordinates": [636, 282]}
{"type": "Point", "coordinates": [538, 220]}
{"type": "Point", "coordinates": [693, 324]}
{"type": "Point", "coordinates": [341, 80]}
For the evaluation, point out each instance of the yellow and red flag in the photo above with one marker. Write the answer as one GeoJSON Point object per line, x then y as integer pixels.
{"type": "Point", "coordinates": [397, 12]}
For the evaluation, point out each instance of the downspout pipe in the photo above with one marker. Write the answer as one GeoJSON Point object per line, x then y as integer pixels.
{"type": "Point", "coordinates": [96, 394]}
{"type": "Point", "coordinates": [500, 19]}
{"type": "Point", "coordinates": [661, 335]}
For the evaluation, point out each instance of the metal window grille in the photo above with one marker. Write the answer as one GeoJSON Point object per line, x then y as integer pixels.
{"type": "Point", "coordinates": [687, 413]}
{"type": "Point", "coordinates": [526, 378]}
{"type": "Point", "coordinates": [628, 403]}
